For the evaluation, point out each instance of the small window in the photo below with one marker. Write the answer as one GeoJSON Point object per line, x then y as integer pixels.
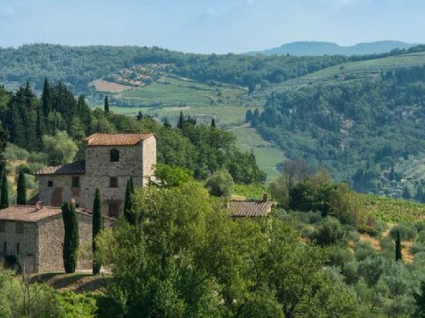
{"type": "Point", "coordinates": [113, 210]}
{"type": "Point", "coordinates": [17, 249]}
{"type": "Point", "coordinates": [19, 228]}
{"type": "Point", "coordinates": [115, 155]}
{"type": "Point", "coordinates": [113, 182]}
{"type": "Point", "coordinates": [50, 184]}
{"type": "Point", "coordinates": [75, 182]}
{"type": "Point", "coordinates": [5, 248]}
{"type": "Point", "coordinates": [2, 226]}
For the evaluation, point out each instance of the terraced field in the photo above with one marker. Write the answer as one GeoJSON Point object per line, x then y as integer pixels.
{"type": "Point", "coordinates": [267, 155]}
{"type": "Point", "coordinates": [372, 66]}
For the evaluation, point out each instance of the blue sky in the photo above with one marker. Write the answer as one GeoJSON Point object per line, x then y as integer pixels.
{"type": "Point", "coordinates": [203, 26]}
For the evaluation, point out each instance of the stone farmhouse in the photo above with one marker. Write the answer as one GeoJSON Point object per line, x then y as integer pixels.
{"type": "Point", "coordinates": [110, 160]}
{"type": "Point", "coordinates": [34, 235]}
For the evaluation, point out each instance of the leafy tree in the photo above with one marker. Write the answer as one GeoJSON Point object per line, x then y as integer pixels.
{"type": "Point", "coordinates": [330, 232]}
{"type": "Point", "coordinates": [21, 189]}
{"type": "Point", "coordinates": [398, 254]}
{"type": "Point", "coordinates": [97, 227]}
{"type": "Point", "coordinates": [106, 105]}
{"type": "Point", "coordinates": [168, 176]}
{"type": "Point", "coordinates": [71, 238]}
{"type": "Point", "coordinates": [128, 202]}
{"type": "Point", "coordinates": [60, 148]}
{"type": "Point", "coordinates": [4, 195]}
{"type": "Point", "coordinates": [220, 184]}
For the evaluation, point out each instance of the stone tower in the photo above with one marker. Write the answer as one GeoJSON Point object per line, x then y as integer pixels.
{"type": "Point", "coordinates": [111, 159]}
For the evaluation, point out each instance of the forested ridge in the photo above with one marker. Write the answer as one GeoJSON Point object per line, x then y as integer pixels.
{"type": "Point", "coordinates": [356, 128]}
{"type": "Point", "coordinates": [78, 66]}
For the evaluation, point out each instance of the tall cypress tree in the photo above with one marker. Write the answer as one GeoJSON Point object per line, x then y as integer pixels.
{"type": "Point", "coordinates": [106, 105]}
{"type": "Point", "coordinates": [398, 255]}
{"type": "Point", "coordinates": [97, 227]}
{"type": "Point", "coordinates": [71, 239]}
{"type": "Point", "coordinates": [128, 202]}
{"type": "Point", "coordinates": [46, 98]}
{"type": "Point", "coordinates": [4, 195]}
{"type": "Point", "coordinates": [22, 189]}
{"type": "Point", "coordinates": [213, 123]}
{"type": "Point", "coordinates": [181, 121]}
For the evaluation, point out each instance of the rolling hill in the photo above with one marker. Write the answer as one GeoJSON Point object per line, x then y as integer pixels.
{"type": "Point", "coordinates": [314, 48]}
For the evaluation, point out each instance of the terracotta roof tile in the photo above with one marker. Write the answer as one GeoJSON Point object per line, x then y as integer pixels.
{"type": "Point", "coordinates": [250, 208]}
{"type": "Point", "coordinates": [116, 139]}
{"type": "Point", "coordinates": [28, 213]}
{"type": "Point", "coordinates": [78, 167]}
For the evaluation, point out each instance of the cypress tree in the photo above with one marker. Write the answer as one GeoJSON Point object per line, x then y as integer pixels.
{"type": "Point", "coordinates": [22, 189]}
{"type": "Point", "coordinates": [248, 116]}
{"type": "Point", "coordinates": [4, 195]}
{"type": "Point", "coordinates": [181, 121]}
{"type": "Point", "coordinates": [166, 123]}
{"type": "Point", "coordinates": [213, 123]}
{"type": "Point", "coordinates": [106, 105]}
{"type": "Point", "coordinates": [398, 255]}
{"type": "Point", "coordinates": [420, 302]}
{"type": "Point", "coordinates": [128, 202]}
{"type": "Point", "coordinates": [97, 227]}
{"type": "Point", "coordinates": [71, 239]}
{"type": "Point", "coordinates": [46, 98]}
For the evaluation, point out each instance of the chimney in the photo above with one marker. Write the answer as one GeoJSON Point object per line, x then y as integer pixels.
{"type": "Point", "coordinates": [265, 197]}
{"type": "Point", "coordinates": [38, 206]}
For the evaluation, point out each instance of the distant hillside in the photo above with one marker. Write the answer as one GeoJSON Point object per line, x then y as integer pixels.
{"type": "Point", "coordinates": [312, 48]}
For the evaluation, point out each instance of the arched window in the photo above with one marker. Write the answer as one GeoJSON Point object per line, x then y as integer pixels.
{"type": "Point", "coordinates": [115, 155]}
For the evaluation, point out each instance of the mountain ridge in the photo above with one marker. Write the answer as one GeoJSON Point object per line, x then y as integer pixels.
{"type": "Point", "coordinates": [317, 48]}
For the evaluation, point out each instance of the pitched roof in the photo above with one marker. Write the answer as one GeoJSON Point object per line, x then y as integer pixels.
{"type": "Point", "coordinates": [116, 139]}
{"type": "Point", "coordinates": [250, 208]}
{"type": "Point", "coordinates": [78, 167]}
{"type": "Point", "coordinates": [28, 213]}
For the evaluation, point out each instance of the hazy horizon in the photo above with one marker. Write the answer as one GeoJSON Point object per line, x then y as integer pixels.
{"type": "Point", "coordinates": [202, 26]}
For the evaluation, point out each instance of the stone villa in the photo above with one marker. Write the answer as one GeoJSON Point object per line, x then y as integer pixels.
{"type": "Point", "coordinates": [33, 235]}
{"type": "Point", "coordinates": [111, 159]}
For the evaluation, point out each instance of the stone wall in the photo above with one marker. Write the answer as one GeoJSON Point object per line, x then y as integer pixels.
{"type": "Point", "coordinates": [51, 236]}
{"type": "Point", "coordinates": [27, 243]}
{"type": "Point", "coordinates": [149, 158]}
{"type": "Point", "coordinates": [61, 191]}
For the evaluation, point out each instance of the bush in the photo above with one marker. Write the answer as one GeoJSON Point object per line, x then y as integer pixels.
{"type": "Point", "coordinates": [220, 184]}
{"type": "Point", "coordinates": [339, 257]}
{"type": "Point", "coordinates": [329, 232]}
{"type": "Point", "coordinates": [364, 250]}
{"type": "Point", "coordinates": [366, 229]}
{"type": "Point", "coordinates": [407, 232]}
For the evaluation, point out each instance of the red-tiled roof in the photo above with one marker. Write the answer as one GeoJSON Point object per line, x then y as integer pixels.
{"type": "Point", "coordinates": [28, 213]}
{"type": "Point", "coordinates": [116, 139]}
{"type": "Point", "coordinates": [78, 167]}
{"type": "Point", "coordinates": [250, 208]}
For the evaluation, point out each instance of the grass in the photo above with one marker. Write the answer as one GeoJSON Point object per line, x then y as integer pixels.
{"type": "Point", "coordinates": [267, 155]}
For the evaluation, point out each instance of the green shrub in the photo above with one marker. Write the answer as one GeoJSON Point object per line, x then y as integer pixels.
{"type": "Point", "coordinates": [407, 232]}
{"type": "Point", "coordinates": [363, 250]}
{"type": "Point", "coordinates": [366, 229]}
{"type": "Point", "coordinates": [329, 232]}
{"type": "Point", "coordinates": [78, 305]}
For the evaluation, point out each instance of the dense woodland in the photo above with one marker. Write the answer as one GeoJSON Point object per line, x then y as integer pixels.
{"type": "Point", "coordinates": [54, 125]}
{"type": "Point", "coordinates": [356, 128]}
